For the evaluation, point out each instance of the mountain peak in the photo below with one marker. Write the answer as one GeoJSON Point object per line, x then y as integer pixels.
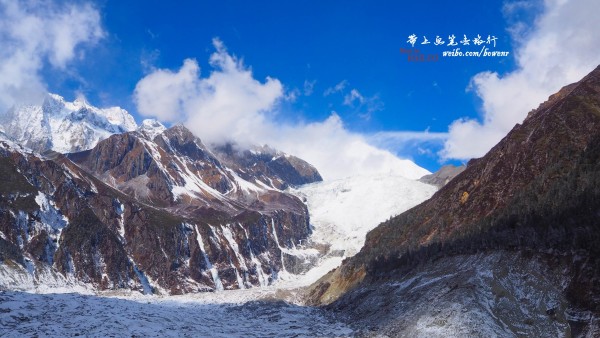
{"type": "Point", "coordinates": [151, 128]}
{"type": "Point", "coordinates": [64, 126]}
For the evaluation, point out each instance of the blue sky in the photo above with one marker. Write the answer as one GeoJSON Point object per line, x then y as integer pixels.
{"type": "Point", "coordinates": [309, 47]}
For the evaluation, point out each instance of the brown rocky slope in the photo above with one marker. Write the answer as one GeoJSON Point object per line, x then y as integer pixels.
{"type": "Point", "coordinates": [157, 214]}
{"type": "Point", "coordinates": [536, 192]}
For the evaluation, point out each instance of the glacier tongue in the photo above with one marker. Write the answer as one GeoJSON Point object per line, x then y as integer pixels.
{"type": "Point", "coordinates": [343, 211]}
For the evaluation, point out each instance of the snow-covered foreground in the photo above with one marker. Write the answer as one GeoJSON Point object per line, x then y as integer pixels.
{"type": "Point", "coordinates": [488, 294]}
{"type": "Point", "coordinates": [69, 309]}
{"type": "Point", "coordinates": [71, 314]}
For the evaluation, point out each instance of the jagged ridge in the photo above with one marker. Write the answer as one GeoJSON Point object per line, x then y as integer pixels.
{"type": "Point", "coordinates": [159, 214]}
{"type": "Point", "coordinates": [64, 126]}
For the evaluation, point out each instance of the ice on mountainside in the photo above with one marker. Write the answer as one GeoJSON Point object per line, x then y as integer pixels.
{"type": "Point", "coordinates": [64, 126]}
{"type": "Point", "coordinates": [343, 211]}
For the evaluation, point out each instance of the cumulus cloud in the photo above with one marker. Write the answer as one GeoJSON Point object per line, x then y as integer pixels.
{"type": "Point", "coordinates": [34, 33]}
{"type": "Point", "coordinates": [229, 104]}
{"type": "Point", "coordinates": [561, 47]}
{"type": "Point", "coordinates": [337, 152]}
{"type": "Point", "coordinates": [177, 89]}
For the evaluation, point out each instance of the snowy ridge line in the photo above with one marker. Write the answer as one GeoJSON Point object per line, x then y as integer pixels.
{"type": "Point", "coordinates": [243, 184]}
{"type": "Point", "coordinates": [216, 233]}
{"type": "Point", "coordinates": [226, 231]}
{"type": "Point", "coordinates": [64, 126]}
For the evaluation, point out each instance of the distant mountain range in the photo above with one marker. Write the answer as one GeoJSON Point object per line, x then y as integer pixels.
{"type": "Point", "coordinates": [444, 175]}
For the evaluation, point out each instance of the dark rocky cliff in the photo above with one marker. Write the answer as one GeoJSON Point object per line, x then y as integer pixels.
{"type": "Point", "coordinates": [160, 215]}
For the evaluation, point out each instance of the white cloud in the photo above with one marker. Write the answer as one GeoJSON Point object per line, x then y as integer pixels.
{"type": "Point", "coordinates": [148, 59]}
{"type": "Point", "coordinates": [34, 32]}
{"type": "Point", "coordinates": [336, 89]}
{"type": "Point", "coordinates": [165, 94]}
{"type": "Point", "coordinates": [562, 46]}
{"type": "Point", "coordinates": [337, 152]}
{"type": "Point", "coordinates": [365, 106]}
{"type": "Point", "coordinates": [309, 87]}
{"type": "Point", "coordinates": [354, 95]}
{"type": "Point", "coordinates": [230, 105]}
{"type": "Point", "coordinates": [292, 95]}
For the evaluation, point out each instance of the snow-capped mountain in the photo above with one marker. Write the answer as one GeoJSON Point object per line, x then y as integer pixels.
{"type": "Point", "coordinates": [233, 222]}
{"type": "Point", "coordinates": [64, 126]}
{"type": "Point", "coordinates": [151, 128]}
{"type": "Point", "coordinates": [160, 214]}
{"type": "Point", "coordinates": [174, 168]}
{"type": "Point", "coordinates": [272, 167]}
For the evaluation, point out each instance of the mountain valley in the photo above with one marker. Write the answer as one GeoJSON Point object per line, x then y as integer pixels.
{"type": "Point", "coordinates": [506, 246]}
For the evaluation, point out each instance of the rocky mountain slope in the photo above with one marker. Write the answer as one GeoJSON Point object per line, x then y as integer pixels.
{"type": "Point", "coordinates": [152, 210]}
{"type": "Point", "coordinates": [63, 126]}
{"type": "Point", "coordinates": [444, 175]}
{"type": "Point", "coordinates": [536, 194]}
{"type": "Point", "coordinates": [273, 168]}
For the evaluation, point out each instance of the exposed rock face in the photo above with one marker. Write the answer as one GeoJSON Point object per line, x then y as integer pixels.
{"type": "Point", "coordinates": [270, 166]}
{"type": "Point", "coordinates": [537, 191]}
{"type": "Point", "coordinates": [441, 177]}
{"type": "Point", "coordinates": [161, 214]}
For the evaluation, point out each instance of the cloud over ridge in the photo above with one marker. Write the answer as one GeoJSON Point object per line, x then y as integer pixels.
{"type": "Point", "coordinates": [230, 105]}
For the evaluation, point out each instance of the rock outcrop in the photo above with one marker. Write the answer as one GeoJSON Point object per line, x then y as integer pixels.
{"type": "Point", "coordinates": [444, 175]}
